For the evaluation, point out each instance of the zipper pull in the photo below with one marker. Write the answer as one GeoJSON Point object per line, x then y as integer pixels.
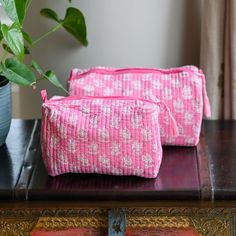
{"type": "Point", "coordinates": [173, 125]}
{"type": "Point", "coordinates": [44, 95]}
{"type": "Point", "coordinates": [206, 103]}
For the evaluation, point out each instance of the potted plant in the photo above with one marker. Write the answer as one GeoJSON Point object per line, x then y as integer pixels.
{"type": "Point", "coordinates": [16, 43]}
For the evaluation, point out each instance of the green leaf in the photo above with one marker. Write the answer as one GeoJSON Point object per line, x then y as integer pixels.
{"type": "Point", "coordinates": [18, 73]}
{"type": "Point", "coordinates": [14, 38]}
{"type": "Point", "coordinates": [27, 38]}
{"type": "Point", "coordinates": [36, 66]}
{"type": "Point", "coordinates": [1, 67]}
{"type": "Point", "coordinates": [7, 49]}
{"type": "Point", "coordinates": [49, 13]}
{"type": "Point", "coordinates": [27, 52]}
{"type": "Point", "coordinates": [74, 23]}
{"type": "Point", "coordinates": [51, 76]}
{"type": "Point", "coordinates": [15, 9]}
{"type": "Point", "coordinates": [1, 35]}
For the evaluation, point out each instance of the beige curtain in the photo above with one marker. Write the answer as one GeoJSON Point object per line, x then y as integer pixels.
{"type": "Point", "coordinates": [218, 56]}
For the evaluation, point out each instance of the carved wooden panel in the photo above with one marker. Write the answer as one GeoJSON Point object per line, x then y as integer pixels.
{"type": "Point", "coordinates": [201, 221]}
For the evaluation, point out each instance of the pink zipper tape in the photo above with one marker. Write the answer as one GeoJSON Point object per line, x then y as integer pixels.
{"type": "Point", "coordinates": [207, 108]}
{"type": "Point", "coordinates": [173, 125]}
{"type": "Point", "coordinates": [122, 70]}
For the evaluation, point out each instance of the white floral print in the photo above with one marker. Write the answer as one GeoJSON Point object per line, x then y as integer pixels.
{"type": "Point", "coordinates": [117, 85]}
{"type": "Point", "coordinates": [136, 121]}
{"type": "Point", "coordinates": [148, 93]}
{"type": "Point", "coordinates": [128, 92]}
{"type": "Point", "coordinates": [147, 134]}
{"type": "Point", "coordinates": [188, 118]}
{"type": "Point", "coordinates": [147, 159]}
{"type": "Point", "coordinates": [175, 83]}
{"type": "Point", "coordinates": [83, 160]}
{"type": "Point", "coordinates": [178, 106]}
{"type": "Point", "coordinates": [127, 162]}
{"type": "Point", "coordinates": [104, 135]}
{"type": "Point", "coordinates": [187, 92]}
{"type": "Point", "coordinates": [62, 158]}
{"type": "Point", "coordinates": [93, 123]}
{"type": "Point", "coordinates": [72, 146]}
{"type": "Point", "coordinates": [197, 106]}
{"type": "Point", "coordinates": [137, 147]}
{"type": "Point", "coordinates": [93, 148]}
{"type": "Point", "coordinates": [125, 134]}
{"type": "Point", "coordinates": [85, 109]}
{"type": "Point", "coordinates": [127, 110]}
{"type": "Point", "coordinates": [137, 85]}
{"type": "Point", "coordinates": [115, 149]}
{"type": "Point", "coordinates": [196, 129]}
{"type": "Point", "coordinates": [157, 84]}
{"type": "Point", "coordinates": [167, 94]}
{"type": "Point", "coordinates": [88, 89]}
{"type": "Point", "coordinates": [106, 110]}
{"type": "Point", "coordinates": [108, 91]}
{"type": "Point", "coordinates": [105, 161]}
{"type": "Point", "coordinates": [98, 83]}
{"type": "Point", "coordinates": [54, 141]}
{"type": "Point", "coordinates": [83, 134]}
{"type": "Point", "coordinates": [115, 122]}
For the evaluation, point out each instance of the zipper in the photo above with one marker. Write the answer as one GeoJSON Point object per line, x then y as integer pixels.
{"type": "Point", "coordinates": [199, 73]}
{"type": "Point", "coordinates": [129, 70]}
{"type": "Point", "coordinates": [173, 124]}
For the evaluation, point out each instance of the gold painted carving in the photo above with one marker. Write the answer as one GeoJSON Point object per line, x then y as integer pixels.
{"type": "Point", "coordinates": [212, 227]}
{"type": "Point", "coordinates": [158, 221]}
{"type": "Point", "coordinates": [16, 227]}
{"type": "Point", "coordinates": [207, 221]}
{"type": "Point", "coordinates": [71, 222]}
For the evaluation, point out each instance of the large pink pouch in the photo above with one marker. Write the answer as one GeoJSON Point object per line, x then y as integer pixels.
{"type": "Point", "coordinates": [105, 135]}
{"type": "Point", "coordinates": [182, 89]}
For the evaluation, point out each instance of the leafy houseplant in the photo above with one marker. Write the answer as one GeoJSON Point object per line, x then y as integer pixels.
{"type": "Point", "coordinates": [16, 43]}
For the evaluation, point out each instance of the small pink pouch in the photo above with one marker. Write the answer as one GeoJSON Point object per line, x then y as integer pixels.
{"type": "Point", "coordinates": [105, 135]}
{"type": "Point", "coordinates": [182, 89]}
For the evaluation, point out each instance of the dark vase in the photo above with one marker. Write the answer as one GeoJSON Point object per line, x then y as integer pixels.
{"type": "Point", "coordinates": [5, 109]}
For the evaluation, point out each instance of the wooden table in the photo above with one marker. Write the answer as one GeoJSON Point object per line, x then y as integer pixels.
{"type": "Point", "coordinates": [194, 193]}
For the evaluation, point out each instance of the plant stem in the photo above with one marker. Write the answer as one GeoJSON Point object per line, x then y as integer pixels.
{"type": "Point", "coordinates": [65, 90]}
{"type": "Point", "coordinates": [45, 77]}
{"type": "Point", "coordinates": [28, 5]}
{"type": "Point", "coordinates": [57, 27]}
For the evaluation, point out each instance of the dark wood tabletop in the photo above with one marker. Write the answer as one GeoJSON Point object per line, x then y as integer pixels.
{"type": "Point", "coordinates": [204, 172]}
{"type": "Point", "coordinates": [221, 141]}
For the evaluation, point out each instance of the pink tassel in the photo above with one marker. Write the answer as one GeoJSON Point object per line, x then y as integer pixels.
{"type": "Point", "coordinates": [173, 125]}
{"type": "Point", "coordinates": [206, 103]}
{"type": "Point", "coordinates": [207, 107]}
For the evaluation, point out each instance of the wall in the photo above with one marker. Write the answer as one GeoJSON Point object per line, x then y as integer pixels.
{"type": "Point", "coordinates": [150, 33]}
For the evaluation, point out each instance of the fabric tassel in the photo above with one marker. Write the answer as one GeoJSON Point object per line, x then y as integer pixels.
{"type": "Point", "coordinates": [206, 103]}
{"type": "Point", "coordinates": [173, 125]}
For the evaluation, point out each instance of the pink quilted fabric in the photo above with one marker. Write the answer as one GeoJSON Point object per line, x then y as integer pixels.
{"type": "Point", "coordinates": [106, 135]}
{"type": "Point", "coordinates": [182, 89]}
